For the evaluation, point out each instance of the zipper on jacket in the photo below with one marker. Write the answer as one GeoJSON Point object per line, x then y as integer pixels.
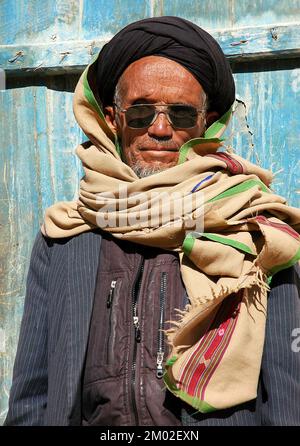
{"type": "Point", "coordinates": [135, 296]}
{"type": "Point", "coordinates": [137, 334]}
{"type": "Point", "coordinates": [160, 343]}
{"type": "Point", "coordinates": [111, 293]}
{"type": "Point", "coordinates": [109, 303]}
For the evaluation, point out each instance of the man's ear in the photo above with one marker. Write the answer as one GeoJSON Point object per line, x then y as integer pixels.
{"type": "Point", "coordinates": [110, 118]}
{"type": "Point", "coordinates": [211, 117]}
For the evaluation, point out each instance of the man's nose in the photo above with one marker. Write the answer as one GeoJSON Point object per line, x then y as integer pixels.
{"type": "Point", "coordinates": [161, 128]}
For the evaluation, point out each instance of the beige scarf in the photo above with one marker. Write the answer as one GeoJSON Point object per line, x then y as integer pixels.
{"type": "Point", "coordinates": [232, 234]}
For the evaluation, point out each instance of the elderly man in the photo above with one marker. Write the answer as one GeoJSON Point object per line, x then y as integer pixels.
{"type": "Point", "coordinates": [110, 271]}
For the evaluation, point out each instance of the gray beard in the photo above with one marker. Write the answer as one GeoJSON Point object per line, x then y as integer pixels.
{"type": "Point", "coordinates": [143, 172]}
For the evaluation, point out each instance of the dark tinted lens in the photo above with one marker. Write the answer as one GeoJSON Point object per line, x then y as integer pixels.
{"type": "Point", "coordinates": [183, 116]}
{"type": "Point", "coordinates": [139, 116]}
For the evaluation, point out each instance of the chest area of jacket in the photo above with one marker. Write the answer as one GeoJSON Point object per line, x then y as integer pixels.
{"type": "Point", "coordinates": [138, 290]}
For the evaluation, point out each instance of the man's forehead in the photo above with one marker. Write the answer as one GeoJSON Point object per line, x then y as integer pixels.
{"type": "Point", "coordinates": [153, 79]}
{"type": "Point", "coordinates": [158, 79]}
{"type": "Point", "coordinates": [151, 65]}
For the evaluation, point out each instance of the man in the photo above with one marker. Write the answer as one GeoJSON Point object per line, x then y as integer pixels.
{"type": "Point", "coordinates": [113, 268]}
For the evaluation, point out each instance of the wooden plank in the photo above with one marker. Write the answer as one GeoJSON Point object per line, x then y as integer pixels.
{"type": "Point", "coordinates": [239, 45]}
{"type": "Point", "coordinates": [246, 44]}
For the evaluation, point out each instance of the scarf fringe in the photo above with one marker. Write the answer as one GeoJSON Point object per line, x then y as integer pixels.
{"type": "Point", "coordinates": [255, 287]}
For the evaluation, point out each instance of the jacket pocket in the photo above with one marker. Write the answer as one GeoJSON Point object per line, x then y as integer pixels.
{"type": "Point", "coordinates": [105, 352]}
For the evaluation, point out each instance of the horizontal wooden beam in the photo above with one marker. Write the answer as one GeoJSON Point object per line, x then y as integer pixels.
{"type": "Point", "coordinates": [243, 44]}
{"type": "Point", "coordinates": [246, 44]}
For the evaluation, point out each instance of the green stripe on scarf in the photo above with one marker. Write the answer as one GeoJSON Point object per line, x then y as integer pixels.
{"type": "Point", "coordinates": [90, 96]}
{"type": "Point", "coordinates": [190, 240]}
{"type": "Point", "coordinates": [118, 146]}
{"type": "Point", "coordinates": [183, 151]}
{"type": "Point", "coordinates": [291, 262]}
{"type": "Point", "coordinates": [200, 405]}
{"type": "Point", "coordinates": [171, 360]}
{"type": "Point", "coordinates": [188, 244]}
{"type": "Point", "coordinates": [227, 241]}
{"type": "Point", "coordinates": [92, 101]}
{"type": "Point", "coordinates": [217, 126]}
{"type": "Point", "coordinates": [240, 188]}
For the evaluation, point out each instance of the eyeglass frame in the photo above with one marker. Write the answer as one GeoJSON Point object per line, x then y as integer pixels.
{"type": "Point", "coordinates": [157, 112]}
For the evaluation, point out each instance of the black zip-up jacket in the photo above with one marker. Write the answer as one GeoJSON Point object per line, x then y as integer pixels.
{"type": "Point", "coordinates": [137, 292]}
{"type": "Point", "coordinates": [51, 371]}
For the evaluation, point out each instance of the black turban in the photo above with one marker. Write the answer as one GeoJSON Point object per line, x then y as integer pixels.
{"type": "Point", "coordinates": [174, 38]}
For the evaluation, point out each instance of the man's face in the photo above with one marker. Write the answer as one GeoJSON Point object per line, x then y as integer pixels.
{"type": "Point", "coordinates": [155, 80]}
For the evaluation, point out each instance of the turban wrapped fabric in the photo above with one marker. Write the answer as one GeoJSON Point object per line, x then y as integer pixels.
{"type": "Point", "coordinates": [176, 39]}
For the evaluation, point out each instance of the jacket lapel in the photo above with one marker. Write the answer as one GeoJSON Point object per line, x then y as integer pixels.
{"type": "Point", "coordinates": [82, 266]}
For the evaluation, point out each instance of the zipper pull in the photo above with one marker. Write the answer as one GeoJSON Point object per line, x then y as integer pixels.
{"type": "Point", "coordinates": [111, 293]}
{"type": "Point", "coordinates": [137, 329]}
{"type": "Point", "coordinates": [159, 365]}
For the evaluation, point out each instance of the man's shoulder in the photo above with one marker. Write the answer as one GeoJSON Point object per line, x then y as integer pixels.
{"type": "Point", "coordinates": [50, 241]}
{"type": "Point", "coordinates": [82, 241]}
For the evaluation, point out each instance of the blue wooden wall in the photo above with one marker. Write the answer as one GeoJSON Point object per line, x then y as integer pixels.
{"type": "Point", "coordinates": [44, 45]}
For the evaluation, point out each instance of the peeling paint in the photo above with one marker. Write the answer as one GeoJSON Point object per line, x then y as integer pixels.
{"type": "Point", "coordinates": [67, 12]}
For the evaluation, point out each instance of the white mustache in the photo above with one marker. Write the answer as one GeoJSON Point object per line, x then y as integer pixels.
{"type": "Point", "coordinates": [159, 145]}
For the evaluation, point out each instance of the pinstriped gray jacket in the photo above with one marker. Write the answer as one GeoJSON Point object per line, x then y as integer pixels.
{"type": "Point", "coordinates": [46, 387]}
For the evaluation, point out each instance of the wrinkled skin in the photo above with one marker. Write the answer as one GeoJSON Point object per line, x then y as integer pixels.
{"type": "Point", "coordinates": [155, 79]}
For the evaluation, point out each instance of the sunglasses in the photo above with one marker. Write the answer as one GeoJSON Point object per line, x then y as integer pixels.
{"type": "Point", "coordinates": [181, 116]}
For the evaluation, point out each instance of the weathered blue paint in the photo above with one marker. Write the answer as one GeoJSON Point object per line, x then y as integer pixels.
{"type": "Point", "coordinates": [34, 21]}
{"type": "Point", "coordinates": [38, 132]}
{"type": "Point", "coordinates": [38, 135]}
{"type": "Point", "coordinates": [100, 20]}
{"type": "Point", "coordinates": [259, 12]}
{"type": "Point", "coordinates": [233, 13]}
{"type": "Point", "coordinates": [22, 22]}
{"type": "Point", "coordinates": [239, 45]}
{"type": "Point", "coordinates": [266, 127]}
